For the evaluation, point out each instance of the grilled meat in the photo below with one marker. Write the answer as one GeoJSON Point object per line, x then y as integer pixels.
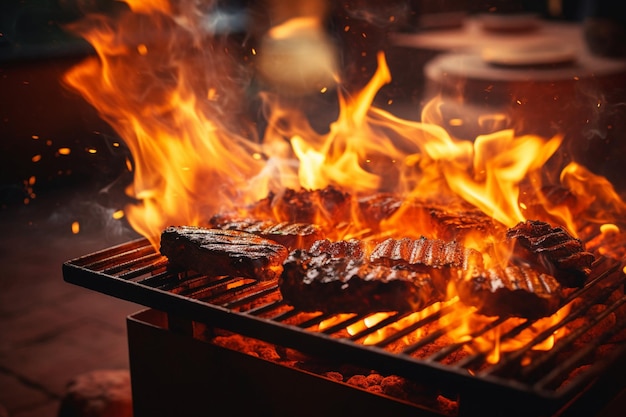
{"type": "Point", "coordinates": [321, 282]}
{"type": "Point", "coordinates": [552, 250]}
{"type": "Point", "coordinates": [291, 235]}
{"type": "Point", "coordinates": [325, 207]}
{"type": "Point", "coordinates": [353, 248]}
{"type": "Point", "coordinates": [223, 252]}
{"type": "Point", "coordinates": [457, 224]}
{"type": "Point", "coordinates": [424, 254]}
{"type": "Point", "coordinates": [517, 291]}
{"type": "Point", "coordinates": [442, 260]}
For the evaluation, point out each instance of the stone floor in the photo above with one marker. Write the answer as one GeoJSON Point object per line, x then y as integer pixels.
{"type": "Point", "coordinates": [50, 330]}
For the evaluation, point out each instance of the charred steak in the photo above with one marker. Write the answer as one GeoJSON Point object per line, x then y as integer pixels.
{"type": "Point", "coordinates": [223, 252]}
{"type": "Point", "coordinates": [424, 254]}
{"type": "Point", "coordinates": [443, 261]}
{"type": "Point", "coordinates": [353, 248]}
{"type": "Point", "coordinates": [517, 291]}
{"type": "Point", "coordinates": [352, 285]}
{"type": "Point", "coordinates": [291, 235]}
{"type": "Point", "coordinates": [552, 250]}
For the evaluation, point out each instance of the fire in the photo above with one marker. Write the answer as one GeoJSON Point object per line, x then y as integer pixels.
{"type": "Point", "coordinates": [175, 93]}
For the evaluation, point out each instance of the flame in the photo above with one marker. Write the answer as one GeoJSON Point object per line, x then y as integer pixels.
{"type": "Point", "coordinates": [190, 159]}
{"type": "Point", "coordinates": [175, 93]}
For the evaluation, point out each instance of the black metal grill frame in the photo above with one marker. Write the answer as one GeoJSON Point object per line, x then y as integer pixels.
{"type": "Point", "coordinates": [136, 272]}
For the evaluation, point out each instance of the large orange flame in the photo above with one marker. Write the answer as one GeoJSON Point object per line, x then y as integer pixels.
{"type": "Point", "coordinates": [169, 101]}
{"type": "Point", "coordinates": [175, 92]}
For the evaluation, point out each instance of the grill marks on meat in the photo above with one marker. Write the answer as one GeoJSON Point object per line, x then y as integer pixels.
{"type": "Point", "coordinates": [443, 261]}
{"type": "Point", "coordinates": [291, 235]}
{"type": "Point", "coordinates": [223, 252]}
{"type": "Point", "coordinates": [552, 250]}
{"type": "Point", "coordinates": [425, 253]}
{"type": "Point", "coordinates": [518, 291]}
{"type": "Point", "coordinates": [322, 282]}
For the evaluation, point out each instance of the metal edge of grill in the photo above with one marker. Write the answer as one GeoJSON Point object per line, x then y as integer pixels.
{"type": "Point", "coordinates": [133, 271]}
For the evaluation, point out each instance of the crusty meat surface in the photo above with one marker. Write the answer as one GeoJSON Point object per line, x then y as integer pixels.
{"type": "Point", "coordinates": [223, 252]}
{"type": "Point", "coordinates": [353, 248]}
{"type": "Point", "coordinates": [425, 253]}
{"type": "Point", "coordinates": [320, 281]}
{"type": "Point", "coordinates": [291, 235]}
{"type": "Point", "coordinates": [443, 261]}
{"type": "Point", "coordinates": [552, 250]}
{"type": "Point", "coordinates": [517, 291]}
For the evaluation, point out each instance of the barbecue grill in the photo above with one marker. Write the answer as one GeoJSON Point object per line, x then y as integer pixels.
{"type": "Point", "coordinates": [570, 376]}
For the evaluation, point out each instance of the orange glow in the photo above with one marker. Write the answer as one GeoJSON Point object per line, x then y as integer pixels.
{"type": "Point", "coordinates": [598, 200]}
{"type": "Point", "coordinates": [177, 105]}
{"type": "Point", "coordinates": [189, 161]}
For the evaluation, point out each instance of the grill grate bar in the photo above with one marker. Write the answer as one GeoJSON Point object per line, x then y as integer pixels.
{"type": "Point", "coordinates": [393, 318]}
{"type": "Point", "coordinates": [573, 360]}
{"type": "Point", "coordinates": [95, 260]}
{"type": "Point", "coordinates": [433, 336]}
{"type": "Point", "coordinates": [264, 288]}
{"type": "Point", "coordinates": [133, 271]}
{"type": "Point", "coordinates": [314, 321]}
{"type": "Point", "coordinates": [229, 289]}
{"type": "Point", "coordinates": [144, 267]}
{"type": "Point", "coordinates": [530, 371]}
{"type": "Point", "coordinates": [415, 326]}
{"type": "Point", "coordinates": [257, 311]}
{"type": "Point", "coordinates": [281, 317]}
{"type": "Point", "coordinates": [448, 350]}
{"type": "Point", "coordinates": [161, 280]}
{"type": "Point", "coordinates": [342, 324]}
{"type": "Point", "coordinates": [122, 261]}
{"type": "Point", "coordinates": [514, 358]}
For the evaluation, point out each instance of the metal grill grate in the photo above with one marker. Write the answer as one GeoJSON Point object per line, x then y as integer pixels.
{"type": "Point", "coordinates": [135, 272]}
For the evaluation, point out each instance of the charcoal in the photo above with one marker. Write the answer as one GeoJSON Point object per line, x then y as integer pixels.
{"type": "Point", "coordinates": [517, 291]}
{"type": "Point", "coordinates": [223, 252]}
{"type": "Point", "coordinates": [291, 235]}
{"type": "Point", "coordinates": [552, 250]}
{"type": "Point", "coordinates": [334, 285]}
